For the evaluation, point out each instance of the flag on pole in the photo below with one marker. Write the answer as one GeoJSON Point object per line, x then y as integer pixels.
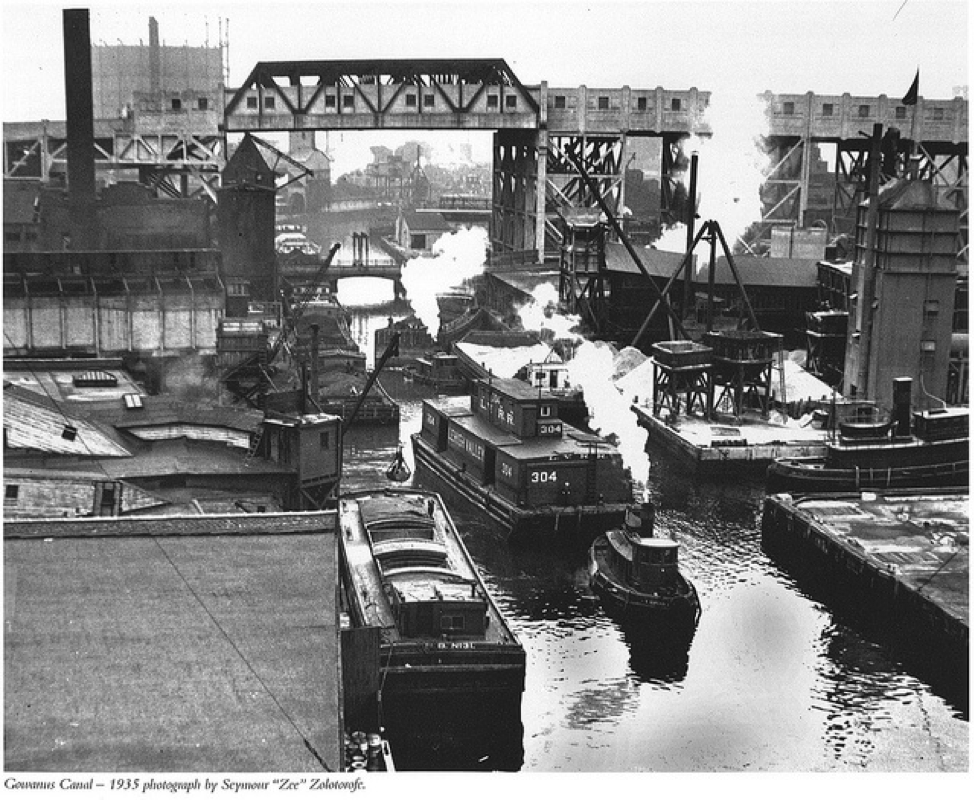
{"type": "Point", "coordinates": [910, 98]}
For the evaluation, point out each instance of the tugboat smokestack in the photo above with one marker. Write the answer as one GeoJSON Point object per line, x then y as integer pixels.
{"type": "Point", "coordinates": [647, 513]}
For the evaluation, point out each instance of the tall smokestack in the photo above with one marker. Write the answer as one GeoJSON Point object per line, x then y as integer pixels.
{"type": "Point", "coordinates": [80, 116]}
{"type": "Point", "coordinates": [154, 57]}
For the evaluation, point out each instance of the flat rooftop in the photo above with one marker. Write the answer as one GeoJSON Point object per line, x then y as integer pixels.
{"type": "Point", "coordinates": [180, 644]}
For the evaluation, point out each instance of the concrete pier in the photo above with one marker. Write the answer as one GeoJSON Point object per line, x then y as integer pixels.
{"type": "Point", "coordinates": [172, 644]}
{"type": "Point", "coordinates": [903, 555]}
{"type": "Point", "coordinates": [715, 447]}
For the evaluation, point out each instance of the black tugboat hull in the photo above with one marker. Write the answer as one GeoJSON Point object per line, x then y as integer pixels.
{"type": "Point", "coordinates": [811, 475]}
{"type": "Point", "coordinates": [677, 611]}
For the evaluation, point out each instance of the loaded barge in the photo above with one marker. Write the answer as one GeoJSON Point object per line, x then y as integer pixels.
{"type": "Point", "coordinates": [407, 572]}
{"type": "Point", "coordinates": [902, 556]}
{"type": "Point", "coordinates": [505, 451]}
{"type": "Point", "coordinates": [446, 667]}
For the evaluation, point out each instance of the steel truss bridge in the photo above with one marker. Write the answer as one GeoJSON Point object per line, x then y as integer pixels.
{"type": "Point", "coordinates": [535, 129]}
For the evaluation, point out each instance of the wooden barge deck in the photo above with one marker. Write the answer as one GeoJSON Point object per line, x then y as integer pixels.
{"type": "Point", "coordinates": [718, 448]}
{"type": "Point", "coordinates": [904, 556]}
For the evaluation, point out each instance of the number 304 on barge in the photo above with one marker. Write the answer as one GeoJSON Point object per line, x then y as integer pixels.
{"type": "Point", "coordinates": [506, 452]}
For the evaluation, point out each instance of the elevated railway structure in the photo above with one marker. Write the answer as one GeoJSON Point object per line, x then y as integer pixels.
{"type": "Point", "coordinates": [534, 128]}
{"type": "Point", "coordinates": [178, 155]}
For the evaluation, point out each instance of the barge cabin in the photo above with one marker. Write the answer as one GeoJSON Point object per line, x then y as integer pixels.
{"type": "Point", "coordinates": [507, 452]}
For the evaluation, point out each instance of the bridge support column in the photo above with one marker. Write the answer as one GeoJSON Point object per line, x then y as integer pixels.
{"type": "Point", "coordinates": [398, 290]}
{"type": "Point", "coordinates": [514, 219]}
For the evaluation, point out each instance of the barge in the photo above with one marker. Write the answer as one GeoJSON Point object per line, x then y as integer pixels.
{"type": "Point", "coordinates": [407, 572]}
{"type": "Point", "coordinates": [902, 557]}
{"type": "Point", "coordinates": [505, 452]}
{"type": "Point", "coordinates": [439, 371]}
{"type": "Point", "coordinates": [481, 354]}
{"type": "Point", "coordinates": [637, 574]}
{"type": "Point", "coordinates": [449, 671]}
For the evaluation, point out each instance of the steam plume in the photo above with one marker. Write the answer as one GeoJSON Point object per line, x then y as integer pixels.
{"type": "Point", "coordinates": [457, 257]}
{"type": "Point", "coordinates": [541, 313]}
{"type": "Point", "coordinates": [732, 165]}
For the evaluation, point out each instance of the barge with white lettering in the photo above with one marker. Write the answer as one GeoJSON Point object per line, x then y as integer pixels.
{"type": "Point", "coordinates": [506, 452]}
{"type": "Point", "coordinates": [447, 670]}
{"type": "Point", "coordinates": [407, 572]}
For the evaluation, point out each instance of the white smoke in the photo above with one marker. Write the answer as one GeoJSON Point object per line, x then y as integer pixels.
{"type": "Point", "coordinates": [457, 257]}
{"type": "Point", "coordinates": [592, 369]}
{"type": "Point", "coordinates": [609, 410]}
{"type": "Point", "coordinates": [541, 314]}
{"type": "Point", "coordinates": [731, 167]}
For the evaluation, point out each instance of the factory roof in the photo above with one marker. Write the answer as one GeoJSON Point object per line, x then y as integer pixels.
{"type": "Point", "coordinates": [185, 645]}
{"type": "Point", "coordinates": [754, 270]}
{"type": "Point", "coordinates": [425, 221]}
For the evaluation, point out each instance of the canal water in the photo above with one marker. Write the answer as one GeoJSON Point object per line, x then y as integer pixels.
{"type": "Point", "coordinates": [775, 679]}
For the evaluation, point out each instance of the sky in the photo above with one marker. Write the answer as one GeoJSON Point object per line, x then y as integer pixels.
{"type": "Point", "coordinates": [866, 47]}
{"type": "Point", "coordinates": [825, 46]}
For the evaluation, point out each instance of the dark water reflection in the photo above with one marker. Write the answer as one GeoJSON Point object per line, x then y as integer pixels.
{"type": "Point", "coordinates": [773, 679]}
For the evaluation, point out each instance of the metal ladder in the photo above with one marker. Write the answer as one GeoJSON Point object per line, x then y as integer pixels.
{"type": "Point", "coordinates": [781, 379]}
{"type": "Point", "coordinates": [255, 439]}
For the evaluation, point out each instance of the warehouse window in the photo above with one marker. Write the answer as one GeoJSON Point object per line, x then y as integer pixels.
{"type": "Point", "coordinates": [511, 101]}
{"type": "Point", "coordinates": [864, 110]}
{"type": "Point", "coordinates": [938, 114]}
{"type": "Point", "coordinates": [428, 100]}
{"type": "Point", "coordinates": [329, 101]}
{"type": "Point", "coordinates": [11, 491]}
{"type": "Point", "coordinates": [603, 103]}
{"type": "Point", "coordinates": [492, 101]}
{"type": "Point", "coordinates": [675, 104]}
{"type": "Point", "coordinates": [177, 104]}
{"type": "Point", "coordinates": [268, 102]}
{"type": "Point", "coordinates": [901, 112]}
{"type": "Point", "coordinates": [251, 102]}
{"type": "Point", "coordinates": [788, 108]}
{"type": "Point", "coordinates": [828, 110]}
{"type": "Point", "coordinates": [640, 104]}
{"type": "Point", "coordinates": [348, 101]}
{"type": "Point", "coordinates": [410, 100]}
{"type": "Point", "coordinates": [559, 101]}
{"type": "Point", "coordinates": [202, 103]}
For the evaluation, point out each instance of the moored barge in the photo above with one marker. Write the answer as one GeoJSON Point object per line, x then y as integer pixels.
{"type": "Point", "coordinates": [505, 451]}
{"type": "Point", "coordinates": [407, 572]}
{"type": "Point", "coordinates": [448, 670]}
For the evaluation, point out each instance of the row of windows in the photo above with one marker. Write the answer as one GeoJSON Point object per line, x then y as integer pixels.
{"type": "Point", "coordinates": [642, 103]}
{"type": "Point", "coordinates": [348, 101]}
{"type": "Point", "coordinates": [202, 104]}
{"type": "Point", "coordinates": [864, 110]}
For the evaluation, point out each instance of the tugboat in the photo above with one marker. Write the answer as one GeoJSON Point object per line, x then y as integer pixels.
{"type": "Point", "coordinates": [505, 451]}
{"type": "Point", "coordinates": [637, 574]}
{"type": "Point", "coordinates": [873, 451]}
